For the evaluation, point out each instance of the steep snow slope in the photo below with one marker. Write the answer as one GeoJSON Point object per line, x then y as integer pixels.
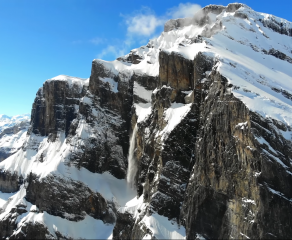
{"type": "Point", "coordinates": [252, 50]}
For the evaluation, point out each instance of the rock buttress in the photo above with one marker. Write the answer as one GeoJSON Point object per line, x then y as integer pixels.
{"type": "Point", "coordinates": [238, 186]}
{"type": "Point", "coordinates": [223, 172]}
{"type": "Point", "coordinates": [54, 108]}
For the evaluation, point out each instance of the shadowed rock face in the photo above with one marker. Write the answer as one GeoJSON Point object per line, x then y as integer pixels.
{"type": "Point", "coordinates": [221, 172]}
{"type": "Point", "coordinates": [9, 182]}
{"type": "Point", "coordinates": [212, 173]}
{"type": "Point", "coordinates": [278, 54]}
{"type": "Point", "coordinates": [34, 231]}
{"type": "Point", "coordinates": [67, 199]}
{"type": "Point", "coordinates": [54, 108]}
{"type": "Point", "coordinates": [175, 71]}
{"type": "Point", "coordinates": [124, 226]}
{"type": "Point", "coordinates": [9, 224]}
{"type": "Point", "coordinates": [108, 113]}
{"type": "Point", "coordinates": [118, 101]}
{"type": "Point", "coordinates": [276, 26]}
{"type": "Point", "coordinates": [232, 177]}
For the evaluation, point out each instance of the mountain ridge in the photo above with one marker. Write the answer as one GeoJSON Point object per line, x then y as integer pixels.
{"type": "Point", "coordinates": [12, 133]}
{"type": "Point", "coordinates": [199, 118]}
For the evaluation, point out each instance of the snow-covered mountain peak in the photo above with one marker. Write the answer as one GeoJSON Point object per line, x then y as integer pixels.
{"type": "Point", "coordinates": [204, 111]}
{"type": "Point", "coordinates": [7, 122]}
{"type": "Point", "coordinates": [71, 80]}
{"type": "Point", "coordinates": [252, 50]}
{"type": "Point", "coordinates": [21, 117]}
{"type": "Point", "coordinates": [3, 116]}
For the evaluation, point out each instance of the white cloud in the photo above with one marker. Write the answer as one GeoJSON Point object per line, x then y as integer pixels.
{"type": "Point", "coordinates": [143, 24]}
{"type": "Point", "coordinates": [184, 10]}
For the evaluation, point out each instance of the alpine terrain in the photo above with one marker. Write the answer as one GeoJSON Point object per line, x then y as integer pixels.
{"type": "Point", "coordinates": [12, 133]}
{"type": "Point", "coordinates": [188, 137]}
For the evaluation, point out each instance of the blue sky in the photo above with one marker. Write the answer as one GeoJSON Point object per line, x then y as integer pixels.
{"type": "Point", "coordinates": [40, 39]}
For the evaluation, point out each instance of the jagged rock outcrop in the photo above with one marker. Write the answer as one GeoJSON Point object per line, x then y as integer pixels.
{"type": "Point", "coordinates": [175, 71]}
{"type": "Point", "coordinates": [223, 153]}
{"type": "Point", "coordinates": [228, 185]}
{"type": "Point", "coordinates": [9, 223]}
{"type": "Point", "coordinates": [67, 199]}
{"type": "Point", "coordinates": [200, 18]}
{"type": "Point", "coordinates": [106, 108]}
{"type": "Point", "coordinates": [10, 182]}
{"type": "Point", "coordinates": [201, 116]}
{"type": "Point", "coordinates": [55, 104]}
{"type": "Point", "coordinates": [34, 231]}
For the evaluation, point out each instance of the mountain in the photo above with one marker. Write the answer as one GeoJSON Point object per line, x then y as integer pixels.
{"type": "Point", "coordinates": [186, 137]}
{"type": "Point", "coordinates": [6, 121]}
{"type": "Point", "coordinates": [12, 133]}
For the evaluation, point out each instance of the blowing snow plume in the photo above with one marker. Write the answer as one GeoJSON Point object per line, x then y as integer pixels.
{"type": "Point", "coordinates": [132, 165]}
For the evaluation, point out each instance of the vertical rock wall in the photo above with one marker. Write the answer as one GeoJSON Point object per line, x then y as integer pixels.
{"type": "Point", "coordinates": [223, 172]}
{"type": "Point", "coordinates": [54, 107]}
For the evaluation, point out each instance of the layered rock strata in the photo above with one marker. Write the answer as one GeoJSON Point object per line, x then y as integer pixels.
{"type": "Point", "coordinates": [210, 128]}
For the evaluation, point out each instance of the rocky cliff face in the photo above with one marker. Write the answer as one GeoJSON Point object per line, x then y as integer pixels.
{"type": "Point", "coordinates": [198, 122]}
{"type": "Point", "coordinates": [56, 105]}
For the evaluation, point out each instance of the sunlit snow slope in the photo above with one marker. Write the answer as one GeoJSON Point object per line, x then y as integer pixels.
{"type": "Point", "coordinates": [12, 133]}
{"type": "Point", "coordinates": [252, 50]}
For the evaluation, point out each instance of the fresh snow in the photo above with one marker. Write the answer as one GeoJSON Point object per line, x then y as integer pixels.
{"type": "Point", "coordinates": [7, 122]}
{"type": "Point", "coordinates": [72, 81]}
{"type": "Point", "coordinates": [251, 71]}
{"type": "Point", "coordinates": [143, 111]}
{"type": "Point", "coordinates": [159, 225]}
{"type": "Point", "coordinates": [237, 49]}
{"type": "Point", "coordinates": [89, 228]}
{"type": "Point", "coordinates": [162, 228]}
{"type": "Point", "coordinates": [173, 117]}
{"type": "Point", "coordinates": [13, 141]}
{"type": "Point", "coordinates": [113, 84]}
{"type": "Point", "coordinates": [141, 92]}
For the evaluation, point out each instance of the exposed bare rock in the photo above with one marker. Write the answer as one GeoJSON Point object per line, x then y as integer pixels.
{"type": "Point", "coordinates": [278, 54]}
{"type": "Point", "coordinates": [55, 105]}
{"type": "Point", "coordinates": [175, 71]}
{"type": "Point", "coordinates": [188, 137]}
{"type": "Point", "coordinates": [34, 231]}
{"type": "Point", "coordinates": [67, 198]}
{"type": "Point", "coordinates": [9, 182]}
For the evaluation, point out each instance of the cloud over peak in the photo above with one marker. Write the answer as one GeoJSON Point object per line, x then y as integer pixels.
{"type": "Point", "coordinates": [184, 10]}
{"type": "Point", "coordinates": [142, 24]}
{"type": "Point", "coordinates": [145, 22]}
